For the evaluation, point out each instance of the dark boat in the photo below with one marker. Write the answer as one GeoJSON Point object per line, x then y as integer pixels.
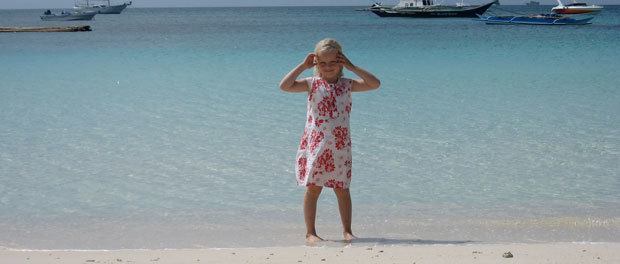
{"type": "Point", "coordinates": [426, 8]}
{"type": "Point", "coordinates": [45, 29]}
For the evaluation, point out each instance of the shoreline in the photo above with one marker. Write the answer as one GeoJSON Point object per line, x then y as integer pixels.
{"type": "Point", "coordinates": [566, 253]}
{"type": "Point", "coordinates": [132, 233]}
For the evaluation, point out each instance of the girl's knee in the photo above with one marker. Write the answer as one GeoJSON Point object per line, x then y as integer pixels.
{"type": "Point", "coordinates": [314, 190]}
{"type": "Point", "coordinates": [340, 191]}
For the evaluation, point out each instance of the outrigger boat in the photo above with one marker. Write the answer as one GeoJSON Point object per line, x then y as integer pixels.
{"type": "Point", "coordinates": [575, 8]}
{"type": "Point", "coordinates": [67, 16]}
{"type": "Point", "coordinates": [427, 8]}
{"type": "Point", "coordinates": [542, 19]}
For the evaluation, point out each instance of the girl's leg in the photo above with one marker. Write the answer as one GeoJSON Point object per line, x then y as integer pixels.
{"type": "Point", "coordinates": [346, 211]}
{"type": "Point", "coordinates": [310, 200]}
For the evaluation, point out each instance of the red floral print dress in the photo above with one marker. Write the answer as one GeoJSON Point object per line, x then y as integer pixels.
{"type": "Point", "coordinates": [324, 154]}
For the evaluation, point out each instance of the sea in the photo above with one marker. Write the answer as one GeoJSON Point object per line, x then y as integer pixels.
{"type": "Point", "coordinates": [165, 128]}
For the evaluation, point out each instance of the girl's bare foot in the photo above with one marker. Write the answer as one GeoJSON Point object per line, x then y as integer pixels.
{"type": "Point", "coordinates": [312, 239]}
{"type": "Point", "coordinates": [348, 236]}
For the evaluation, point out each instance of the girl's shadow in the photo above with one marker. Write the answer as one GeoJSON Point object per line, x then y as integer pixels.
{"type": "Point", "coordinates": [398, 241]}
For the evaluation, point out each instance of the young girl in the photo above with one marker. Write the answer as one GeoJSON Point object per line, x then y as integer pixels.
{"type": "Point", "coordinates": [324, 155]}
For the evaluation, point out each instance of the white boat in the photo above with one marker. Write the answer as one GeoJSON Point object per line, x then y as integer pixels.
{"type": "Point", "coordinates": [102, 8]}
{"type": "Point", "coordinates": [575, 8]}
{"type": "Point", "coordinates": [67, 16]}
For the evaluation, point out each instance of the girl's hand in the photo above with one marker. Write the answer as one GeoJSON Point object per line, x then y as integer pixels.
{"type": "Point", "coordinates": [344, 61]}
{"type": "Point", "coordinates": [309, 61]}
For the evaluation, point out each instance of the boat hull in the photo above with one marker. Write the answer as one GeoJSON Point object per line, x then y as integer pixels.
{"type": "Point", "coordinates": [434, 11]}
{"type": "Point", "coordinates": [45, 29]}
{"type": "Point", "coordinates": [69, 17]}
{"type": "Point", "coordinates": [575, 11]}
{"type": "Point", "coordinates": [113, 9]}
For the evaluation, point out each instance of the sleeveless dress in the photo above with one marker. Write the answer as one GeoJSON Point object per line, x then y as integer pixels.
{"type": "Point", "coordinates": [324, 154]}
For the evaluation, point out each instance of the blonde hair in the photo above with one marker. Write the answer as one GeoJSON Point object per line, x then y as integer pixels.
{"type": "Point", "coordinates": [327, 45]}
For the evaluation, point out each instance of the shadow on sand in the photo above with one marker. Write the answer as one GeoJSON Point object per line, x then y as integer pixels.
{"type": "Point", "coordinates": [398, 241]}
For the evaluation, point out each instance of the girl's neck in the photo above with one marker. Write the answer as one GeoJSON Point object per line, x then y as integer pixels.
{"type": "Point", "coordinates": [333, 80]}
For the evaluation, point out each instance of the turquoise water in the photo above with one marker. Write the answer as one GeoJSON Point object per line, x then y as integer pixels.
{"type": "Point", "coordinates": [165, 128]}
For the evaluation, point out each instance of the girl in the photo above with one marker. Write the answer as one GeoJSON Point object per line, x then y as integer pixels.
{"type": "Point", "coordinates": [324, 155]}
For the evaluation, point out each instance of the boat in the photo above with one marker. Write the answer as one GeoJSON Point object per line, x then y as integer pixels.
{"type": "Point", "coordinates": [532, 3]}
{"type": "Point", "coordinates": [376, 5]}
{"type": "Point", "coordinates": [101, 9]}
{"type": "Point", "coordinates": [575, 8]}
{"type": "Point", "coordinates": [540, 19]}
{"type": "Point", "coordinates": [45, 29]}
{"type": "Point", "coordinates": [427, 8]}
{"type": "Point", "coordinates": [67, 16]}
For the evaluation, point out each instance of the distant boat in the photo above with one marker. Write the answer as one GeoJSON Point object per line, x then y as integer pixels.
{"type": "Point", "coordinates": [67, 16]}
{"type": "Point", "coordinates": [532, 3]}
{"type": "Point", "coordinates": [427, 8]}
{"type": "Point", "coordinates": [101, 9]}
{"type": "Point", "coordinates": [575, 8]}
{"type": "Point", "coordinates": [542, 19]}
{"type": "Point", "coordinates": [373, 6]}
{"type": "Point", "coordinates": [46, 29]}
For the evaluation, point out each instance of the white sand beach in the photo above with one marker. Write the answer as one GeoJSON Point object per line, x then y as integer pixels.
{"type": "Point", "coordinates": [565, 253]}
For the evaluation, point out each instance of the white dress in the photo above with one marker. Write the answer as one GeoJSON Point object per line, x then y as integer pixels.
{"type": "Point", "coordinates": [324, 154]}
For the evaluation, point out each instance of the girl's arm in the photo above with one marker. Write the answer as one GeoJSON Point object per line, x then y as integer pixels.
{"type": "Point", "coordinates": [368, 81]}
{"type": "Point", "coordinates": [290, 83]}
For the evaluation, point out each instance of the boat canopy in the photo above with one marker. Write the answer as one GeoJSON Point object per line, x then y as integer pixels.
{"type": "Point", "coordinates": [414, 3]}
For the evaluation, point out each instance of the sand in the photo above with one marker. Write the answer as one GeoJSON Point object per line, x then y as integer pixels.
{"type": "Point", "coordinates": [564, 253]}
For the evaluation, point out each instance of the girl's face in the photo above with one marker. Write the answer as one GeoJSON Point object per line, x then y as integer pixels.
{"type": "Point", "coordinates": [327, 64]}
